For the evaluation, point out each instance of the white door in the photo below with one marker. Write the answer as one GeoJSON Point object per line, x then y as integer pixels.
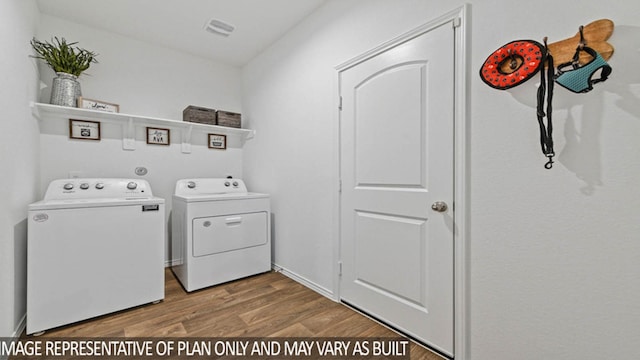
{"type": "Point", "coordinates": [397, 138]}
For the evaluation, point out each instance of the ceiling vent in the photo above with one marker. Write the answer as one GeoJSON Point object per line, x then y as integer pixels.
{"type": "Point", "coordinates": [219, 27]}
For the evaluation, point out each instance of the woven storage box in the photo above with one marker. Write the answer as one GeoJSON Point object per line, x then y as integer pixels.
{"type": "Point", "coordinates": [229, 119]}
{"type": "Point", "coordinates": [199, 115]}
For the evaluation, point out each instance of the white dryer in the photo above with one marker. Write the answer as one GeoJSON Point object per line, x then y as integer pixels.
{"type": "Point", "coordinates": [94, 246]}
{"type": "Point", "coordinates": [220, 232]}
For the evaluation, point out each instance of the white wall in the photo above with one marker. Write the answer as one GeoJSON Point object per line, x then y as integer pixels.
{"type": "Point", "coordinates": [18, 156]}
{"type": "Point", "coordinates": [553, 253]}
{"type": "Point", "coordinates": [144, 78]}
{"type": "Point", "coordinates": [148, 80]}
{"type": "Point", "coordinates": [288, 94]}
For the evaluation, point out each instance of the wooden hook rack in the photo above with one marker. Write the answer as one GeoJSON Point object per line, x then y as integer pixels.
{"type": "Point", "coordinates": [595, 35]}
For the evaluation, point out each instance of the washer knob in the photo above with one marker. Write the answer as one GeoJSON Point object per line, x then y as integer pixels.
{"type": "Point", "coordinates": [191, 185]}
{"type": "Point", "coordinates": [235, 184]}
{"type": "Point", "coordinates": [99, 186]}
{"type": "Point", "coordinates": [132, 186]}
{"type": "Point", "coordinates": [84, 186]}
{"type": "Point", "coordinates": [68, 186]}
{"type": "Point", "coordinates": [227, 184]}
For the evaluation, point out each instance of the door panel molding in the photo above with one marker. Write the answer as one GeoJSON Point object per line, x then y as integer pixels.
{"type": "Point", "coordinates": [383, 276]}
{"type": "Point", "coordinates": [374, 143]}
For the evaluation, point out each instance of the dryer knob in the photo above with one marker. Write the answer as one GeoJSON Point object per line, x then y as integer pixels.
{"type": "Point", "coordinates": [84, 186]}
{"type": "Point", "coordinates": [132, 186]}
{"type": "Point", "coordinates": [227, 184]}
{"type": "Point", "coordinates": [191, 185]}
{"type": "Point", "coordinates": [68, 186]}
{"type": "Point", "coordinates": [99, 186]}
{"type": "Point", "coordinates": [235, 184]}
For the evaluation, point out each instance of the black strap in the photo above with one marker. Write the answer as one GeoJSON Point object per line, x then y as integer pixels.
{"type": "Point", "coordinates": [546, 88]}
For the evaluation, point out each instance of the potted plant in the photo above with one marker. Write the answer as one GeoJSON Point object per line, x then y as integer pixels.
{"type": "Point", "coordinates": [68, 62]}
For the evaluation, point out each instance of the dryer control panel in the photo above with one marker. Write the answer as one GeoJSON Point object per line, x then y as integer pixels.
{"type": "Point", "coordinates": [98, 188]}
{"type": "Point", "coordinates": [210, 186]}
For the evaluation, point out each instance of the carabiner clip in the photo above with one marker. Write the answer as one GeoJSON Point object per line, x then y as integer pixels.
{"type": "Point", "coordinates": [549, 163]}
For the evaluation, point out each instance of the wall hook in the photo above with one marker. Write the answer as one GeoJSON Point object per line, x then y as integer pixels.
{"type": "Point", "coordinates": [513, 63]}
{"type": "Point", "coordinates": [582, 42]}
{"type": "Point", "coordinates": [595, 34]}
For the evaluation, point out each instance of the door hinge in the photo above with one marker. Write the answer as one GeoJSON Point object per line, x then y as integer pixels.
{"type": "Point", "coordinates": [340, 104]}
{"type": "Point", "coordinates": [340, 186]}
{"type": "Point", "coordinates": [457, 22]}
{"type": "Point", "coordinates": [339, 268]}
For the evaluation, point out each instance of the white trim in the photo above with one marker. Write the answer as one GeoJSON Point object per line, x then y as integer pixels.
{"type": "Point", "coordinates": [286, 272]}
{"type": "Point", "coordinates": [304, 281]}
{"type": "Point", "coordinates": [336, 189]}
{"type": "Point", "coordinates": [446, 18]}
{"type": "Point", "coordinates": [172, 262]}
{"type": "Point", "coordinates": [22, 325]}
{"type": "Point", "coordinates": [461, 158]}
{"type": "Point", "coordinates": [461, 188]}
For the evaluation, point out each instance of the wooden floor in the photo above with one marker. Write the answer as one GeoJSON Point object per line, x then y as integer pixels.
{"type": "Point", "coordinates": [266, 305]}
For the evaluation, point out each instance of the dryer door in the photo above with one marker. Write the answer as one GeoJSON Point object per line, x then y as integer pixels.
{"type": "Point", "coordinates": [216, 234]}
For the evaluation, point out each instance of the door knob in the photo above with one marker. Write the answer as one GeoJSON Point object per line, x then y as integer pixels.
{"type": "Point", "coordinates": [439, 206]}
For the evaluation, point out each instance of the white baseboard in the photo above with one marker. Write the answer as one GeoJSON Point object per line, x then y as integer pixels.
{"type": "Point", "coordinates": [21, 326]}
{"type": "Point", "coordinates": [15, 336]}
{"type": "Point", "coordinates": [304, 281]}
{"type": "Point", "coordinates": [286, 272]}
{"type": "Point", "coordinates": [170, 263]}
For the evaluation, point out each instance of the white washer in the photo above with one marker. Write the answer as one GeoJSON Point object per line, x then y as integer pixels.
{"type": "Point", "coordinates": [95, 246]}
{"type": "Point", "coordinates": [220, 232]}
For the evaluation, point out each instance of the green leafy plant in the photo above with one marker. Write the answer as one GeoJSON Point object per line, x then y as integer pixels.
{"type": "Point", "coordinates": [62, 56]}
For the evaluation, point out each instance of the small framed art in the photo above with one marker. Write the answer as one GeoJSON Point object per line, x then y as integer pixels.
{"type": "Point", "coordinates": [84, 129]}
{"type": "Point", "coordinates": [91, 104]}
{"type": "Point", "coordinates": [217, 141]}
{"type": "Point", "coordinates": [158, 136]}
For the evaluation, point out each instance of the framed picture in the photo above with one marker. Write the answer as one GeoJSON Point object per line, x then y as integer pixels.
{"type": "Point", "coordinates": [91, 104]}
{"type": "Point", "coordinates": [217, 141]}
{"type": "Point", "coordinates": [157, 136]}
{"type": "Point", "coordinates": [84, 129]}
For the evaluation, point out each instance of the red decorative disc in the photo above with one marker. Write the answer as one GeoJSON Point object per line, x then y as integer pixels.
{"type": "Point", "coordinates": [512, 64]}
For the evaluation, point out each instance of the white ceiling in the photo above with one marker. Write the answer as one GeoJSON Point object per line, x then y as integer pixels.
{"type": "Point", "coordinates": [179, 24]}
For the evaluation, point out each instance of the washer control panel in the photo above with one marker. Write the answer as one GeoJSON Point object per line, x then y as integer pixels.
{"type": "Point", "coordinates": [233, 183]}
{"type": "Point", "coordinates": [210, 186]}
{"type": "Point", "coordinates": [92, 188]}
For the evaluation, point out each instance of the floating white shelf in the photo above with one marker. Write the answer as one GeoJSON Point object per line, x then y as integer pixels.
{"type": "Point", "coordinates": [129, 122]}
